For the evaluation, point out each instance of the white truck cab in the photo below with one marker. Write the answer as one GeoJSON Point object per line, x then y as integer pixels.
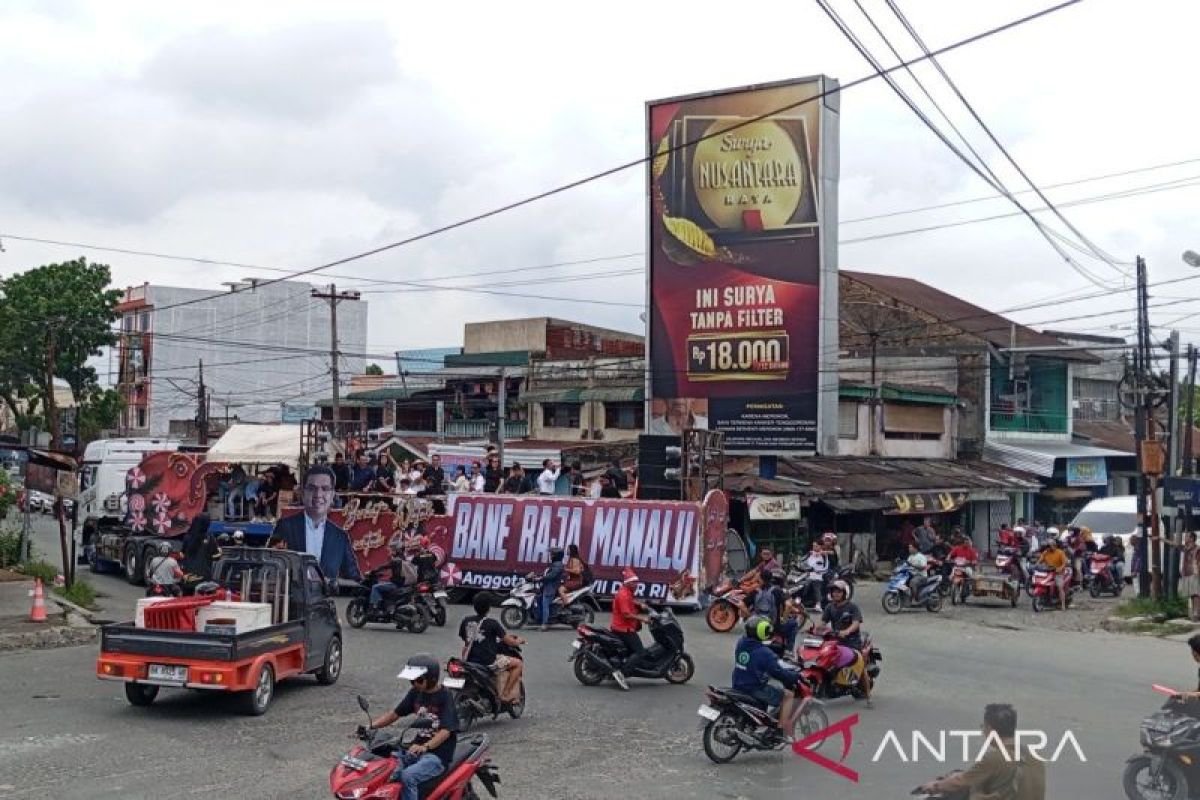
{"type": "Point", "coordinates": [102, 473]}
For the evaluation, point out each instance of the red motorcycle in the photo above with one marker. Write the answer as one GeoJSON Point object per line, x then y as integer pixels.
{"type": "Point", "coordinates": [1104, 579]}
{"type": "Point", "coordinates": [364, 773]}
{"type": "Point", "coordinates": [959, 581]}
{"type": "Point", "coordinates": [727, 599]}
{"type": "Point", "coordinates": [1045, 591]}
{"type": "Point", "coordinates": [817, 656]}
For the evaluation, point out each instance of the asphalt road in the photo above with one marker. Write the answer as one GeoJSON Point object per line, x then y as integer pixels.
{"type": "Point", "coordinates": [69, 735]}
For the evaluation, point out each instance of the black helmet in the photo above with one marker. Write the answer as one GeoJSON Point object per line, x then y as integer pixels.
{"type": "Point", "coordinates": [759, 628]}
{"type": "Point", "coordinates": [421, 665]}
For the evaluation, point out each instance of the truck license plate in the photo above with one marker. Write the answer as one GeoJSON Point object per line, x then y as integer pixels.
{"type": "Point", "coordinates": [453, 683]}
{"type": "Point", "coordinates": [167, 672]}
{"type": "Point", "coordinates": [708, 712]}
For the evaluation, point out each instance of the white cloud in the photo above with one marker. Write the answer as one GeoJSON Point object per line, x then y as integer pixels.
{"type": "Point", "coordinates": [232, 131]}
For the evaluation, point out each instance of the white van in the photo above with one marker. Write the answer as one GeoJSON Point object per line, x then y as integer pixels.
{"type": "Point", "coordinates": [1117, 516]}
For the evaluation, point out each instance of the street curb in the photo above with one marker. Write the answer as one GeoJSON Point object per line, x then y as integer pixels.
{"type": "Point", "coordinates": [48, 638]}
{"type": "Point", "coordinates": [1147, 626]}
{"type": "Point", "coordinates": [70, 607]}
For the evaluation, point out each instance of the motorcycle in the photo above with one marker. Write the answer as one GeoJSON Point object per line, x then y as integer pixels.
{"type": "Point", "coordinates": [398, 607]}
{"type": "Point", "coordinates": [1102, 578]}
{"type": "Point", "coordinates": [899, 596]}
{"type": "Point", "coordinates": [597, 653]}
{"type": "Point", "coordinates": [431, 597]}
{"type": "Point", "coordinates": [365, 772]}
{"type": "Point", "coordinates": [1008, 562]}
{"type": "Point", "coordinates": [817, 657]}
{"type": "Point", "coordinates": [523, 605]}
{"type": "Point", "coordinates": [475, 693]}
{"type": "Point", "coordinates": [959, 583]}
{"type": "Point", "coordinates": [737, 722]}
{"type": "Point", "coordinates": [802, 577]}
{"type": "Point", "coordinates": [1045, 592]}
{"type": "Point", "coordinates": [726, 600]}
{"type": "Point", "coordinates": [164, 590]}
{"type": "Point", "coordinates": [1169, 765]}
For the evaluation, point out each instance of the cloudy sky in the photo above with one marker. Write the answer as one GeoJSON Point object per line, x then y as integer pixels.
{"type": "Point", "coordinates": [289, 135]}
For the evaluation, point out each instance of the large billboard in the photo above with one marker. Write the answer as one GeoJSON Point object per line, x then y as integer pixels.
{"type": "Point", "coordinates": [742, 293]}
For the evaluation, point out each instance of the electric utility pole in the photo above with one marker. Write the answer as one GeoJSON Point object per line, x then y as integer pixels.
{"type": "Point", "coordinates": [333, 297]}
{"type": "Point", "coordinates": [202, 408]}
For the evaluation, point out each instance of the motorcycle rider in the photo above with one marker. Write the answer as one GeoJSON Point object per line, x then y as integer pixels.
{"type": "Point", "coordinates": [919, 566]}
{"type": "Point", "coordinates": [165, 571]}
{"type": "Point", "coordinates": [626, 622]}
{"type": "Point", "coordinates": [426, 561]}
{"type": "Point", "coordinates": [401, 573]}
{"type": "Point", "coordinates": [482, 639]}
{"type": "Point", "coordinates": [1054, 558]}
{"type": "Point", "coordinates": [1116, 551]}
{"type": "Point", "coordinates": [554, 575]}
{"type": "Point", "coordinates": [754, 664]}
{"type": "Point", "coordinates": [964, 549]}
{"type": "Point", "coordinates": [845, 619]}
{"type": "Point", "coordinates": [431, 753]}
{"type": "Point", "coordinates": [1002, 772]}
{"type": "Point", "coordinates": [771, 602]}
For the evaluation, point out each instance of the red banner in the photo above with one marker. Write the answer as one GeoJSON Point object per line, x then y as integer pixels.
{"type": "Point", "coordinates": [491, 541]}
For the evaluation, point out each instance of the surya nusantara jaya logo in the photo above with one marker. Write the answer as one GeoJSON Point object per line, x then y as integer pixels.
{"type": "Point", "coordinates": [940, 747]}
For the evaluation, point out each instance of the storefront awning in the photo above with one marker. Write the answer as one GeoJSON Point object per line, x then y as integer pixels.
{"type": "Point", "coordinates": [926, 502]}
{"type": "Point", "coordinates": [1038, 457]}
{"type": "Point", "coordinates": [849, 505]}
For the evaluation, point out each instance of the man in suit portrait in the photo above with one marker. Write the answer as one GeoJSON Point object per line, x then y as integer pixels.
{"type": "Point", "coordinates": [313, 533]}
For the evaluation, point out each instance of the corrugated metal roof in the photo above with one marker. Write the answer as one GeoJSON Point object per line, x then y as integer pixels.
{"type": "Point", "coordinates": [1038, 457]}
{"type": "Point", "coordinates": [612, 394]}
{"type": "Point", "coordinates": [959, 313]}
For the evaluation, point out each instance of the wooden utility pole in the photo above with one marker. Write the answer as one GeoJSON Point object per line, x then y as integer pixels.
{"type": "Point", "coordinates": [333, 297]}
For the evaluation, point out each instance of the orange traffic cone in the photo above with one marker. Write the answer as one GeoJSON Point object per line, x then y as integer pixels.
{"type": "Point", "coordinates": [38, 612]}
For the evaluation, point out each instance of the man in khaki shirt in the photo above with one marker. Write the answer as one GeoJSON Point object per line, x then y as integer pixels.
{"type": "Point", "coordinates": [998, 775]}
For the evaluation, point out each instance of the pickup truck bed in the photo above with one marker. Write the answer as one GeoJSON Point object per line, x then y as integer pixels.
{"type": "Point", "coordinates": [126, 639]}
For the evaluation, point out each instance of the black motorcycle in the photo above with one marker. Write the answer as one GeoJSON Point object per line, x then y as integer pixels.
{"type": "Point", "coordinates": [597, 653]}
{"type": "Point", "coordinates": [804, 582]}
{"type": "Point", "coordinates": [475, 694]}
{"type": "Point", "coordinates": [398, 607]}
{"type": "Point", "coordinates": [1168, 768]}
{"type": "Point", "coordinates": [432, 599]}
{"type": "Point", "coordinates": [735, 722]}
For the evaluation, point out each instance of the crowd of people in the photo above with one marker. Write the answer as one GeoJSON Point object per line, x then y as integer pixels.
{"type": "Point", "coordinates": [383, 474]}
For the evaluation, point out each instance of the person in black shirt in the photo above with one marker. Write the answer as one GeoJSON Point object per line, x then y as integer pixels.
{"type": "Point", "coordinates": [484, 640]}
{"type": "Point", "coordinates": [493, 474]}
{"type": "Point", "coordinates": [845, 620]}
{"type": "Point", "coordinates": [516, 482]}
{"type": "Point", "coordinates": [426, 562]}
{"type": "Point", "coordinates": [431, 753]}
{"type": "Point", "coordinates": [435, 476]}
{"type": "Point", "coordinates": [341, 473]}
{"type": "Point", "coordinates": [617, 477]}
{"type": "Point", "coordinates": [607, 489]}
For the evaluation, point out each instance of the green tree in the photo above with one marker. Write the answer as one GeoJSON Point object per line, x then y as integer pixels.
{"type": "Point", "coordinates": [52, 319]}
{"type": "Point", "coordinates": [374, 369]}
{"type": "Point", "coordinates": [97, 413]}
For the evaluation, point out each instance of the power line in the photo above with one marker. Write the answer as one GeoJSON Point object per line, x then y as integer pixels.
{"type": "Point", "coordinates": [844, 28]}
{"type": "Point", "coordinates": [982, 199]}
{"type": "Point", "coordinates": [1103, 256]}
{"type": "Point", "coordinates": [635, 162]}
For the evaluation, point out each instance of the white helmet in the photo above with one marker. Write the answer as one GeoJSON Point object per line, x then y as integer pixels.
{"type": "Point", "coordinates": [1052, 531]}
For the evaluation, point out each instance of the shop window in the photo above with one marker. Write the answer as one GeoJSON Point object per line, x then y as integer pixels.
{"type": "Point", "coordinates": [560, 415]}
{"type": "Point", "coordinates": [625, 416]}
{"type": "Point", "coordinates": [847, 420]}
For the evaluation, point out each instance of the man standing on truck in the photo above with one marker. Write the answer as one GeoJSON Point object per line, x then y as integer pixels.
{"type": "Point", "coordinates": [313, 533]}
